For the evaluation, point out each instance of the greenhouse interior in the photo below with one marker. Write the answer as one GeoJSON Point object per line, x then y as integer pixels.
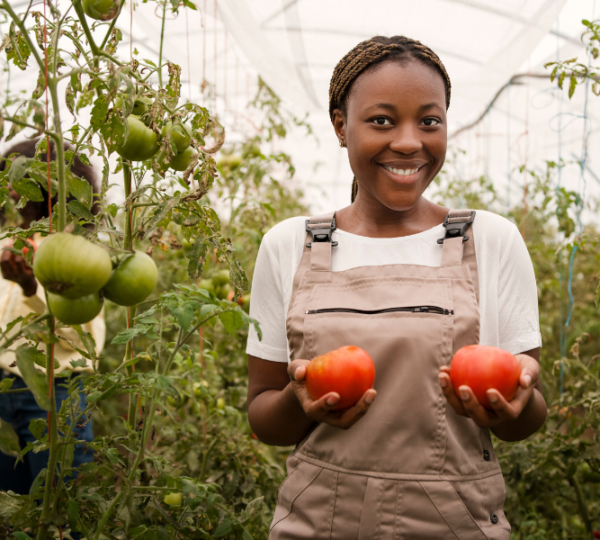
{"type": "Point", "coordinates": [204, 204]}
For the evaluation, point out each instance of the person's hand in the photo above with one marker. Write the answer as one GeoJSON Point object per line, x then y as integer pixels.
{"type": "Point", "coordinates": [503, 411]}
{"type": "Point", "coordinates": [15, 268]}
{"type": "Point", "coordinates": [320, 409]}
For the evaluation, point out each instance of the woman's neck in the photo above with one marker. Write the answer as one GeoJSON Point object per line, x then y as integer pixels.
{"type": "Point", "coordinates": [364, 219]}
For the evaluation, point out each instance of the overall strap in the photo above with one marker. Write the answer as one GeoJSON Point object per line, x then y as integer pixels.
{"type": "Point", "coordinates": [318, 239]}
{"type": "Point", "coordinates": [458, 247]}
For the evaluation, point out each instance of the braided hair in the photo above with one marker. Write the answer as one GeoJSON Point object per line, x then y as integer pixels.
{"type": "Point", "coordinates": [370, 53]}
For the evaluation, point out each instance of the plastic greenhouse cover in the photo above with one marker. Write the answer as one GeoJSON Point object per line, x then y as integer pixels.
{"type": "Point", "coordinates": [294, 46]}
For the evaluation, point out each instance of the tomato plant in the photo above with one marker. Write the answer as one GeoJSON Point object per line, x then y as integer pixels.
{"type": "Point", "coordinates": [132, 281]}
{"type": "Point", "coordinates": [483, 368]}
{"type": "Point", "coordinates": [348, 371]}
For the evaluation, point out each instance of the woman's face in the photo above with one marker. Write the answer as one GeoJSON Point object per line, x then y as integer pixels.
{"type": "Point", "coordinates": [395, 132]}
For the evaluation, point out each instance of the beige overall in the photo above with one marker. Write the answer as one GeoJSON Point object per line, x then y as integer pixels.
{"type": "Point", "coordinates": [412, 468]}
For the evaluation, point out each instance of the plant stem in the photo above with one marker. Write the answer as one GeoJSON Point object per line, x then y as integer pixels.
{"type": "Point", "coordinates": [52, 438]}
{"type": "Point", "coordinates": [86, 29]}
{"type": "Point", "coordinates": [162, 40]}
{"type": "Point", "coordinates": [112, 25]}
{"type": "Point", "coordinates": [128, 205]}
{"type": "Point", "coordinates": [583, 508]}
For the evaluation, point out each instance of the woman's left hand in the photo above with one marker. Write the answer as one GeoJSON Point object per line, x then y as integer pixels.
{"type": "Point", "coordinates": [503, 411]}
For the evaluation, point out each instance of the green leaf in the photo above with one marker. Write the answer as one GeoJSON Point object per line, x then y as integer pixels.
{"type": "Point", "coordinates": [73, 513]}
{"type": "Point", "coordinates": [79, 363]}
{"type": "Point", "coordinates": [223, 528]}
{"type": "Point", "coordinates": [112, 209]}
{"type": "Point", "coordinates": [160, 213]}
{"type": "Point", "coordinates": [184, 314]}
{"type": "Point", "coordinates": [79, 210]}
{"type": "Point", "coordinates": [38, 427]}
{"type": "Point", "coordinates": [6, 384]}
{"type": "Point", "coordinates": [99, 112]}
{"type": "Point", "coordinates": [232, 321]}
{"type": "Point", "coordinates": [197, 257]}
{"type": "Point", "coordinates": [80, 189]}
{"type": "Point", "coordinates": [127, 335]}
{"type": "Point", "coordinates": [34, 378]}
{"type": "Point", "coordinates": [18, 169]}
{"type": "Point", "coordinates": [113, 130]}
{"type": "Point", "coordinates": [37, 484]}
{"type": "Point", "coordinates": [21, 536]}
{"type": "Point", "coordinates": [9, 440]}
{"type": "Point", "coordinates": [572, 85]}
{"type": "Point", "coordinates": [28, 188]}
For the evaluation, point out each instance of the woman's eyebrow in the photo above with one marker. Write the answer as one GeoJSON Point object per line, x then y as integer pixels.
{"type": "Point", "coordinates": [381, 106]}
{"type": "Point", "coordinates": [426, 106]}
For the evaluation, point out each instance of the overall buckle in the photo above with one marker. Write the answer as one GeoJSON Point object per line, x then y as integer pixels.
{"type": "Point", "coordinates": [321, 234]}
{"type": "Point", "coordinates": [457, 227]}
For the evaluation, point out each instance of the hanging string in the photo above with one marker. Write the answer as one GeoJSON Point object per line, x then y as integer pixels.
{"type": "Point", "coordinates": [215, 57]}
{"type": "Point", "coordinates": [187, 43]}
{"type": "Point", "coordinates": [225, 69]}
{"type": "Point", "coordinates": [508, 164]}
{"type": "Point", "coordinates": [131, 30]}
{"type": "Point", "coordinates": [203, 24]}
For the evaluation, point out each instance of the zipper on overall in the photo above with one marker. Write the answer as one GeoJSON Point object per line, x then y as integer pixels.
{"type": "Point", "coordinates": [411, 309]}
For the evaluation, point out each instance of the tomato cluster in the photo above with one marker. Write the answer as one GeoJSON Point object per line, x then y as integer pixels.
{"type": "Point", "coordinates": [142, 143]}
{"type": "Point", "coordinates": [77, 274]}
{"type": "Point", "coordinates": [219, 285]}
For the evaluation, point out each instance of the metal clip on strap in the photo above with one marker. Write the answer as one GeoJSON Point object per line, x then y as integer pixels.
{"type": "Point", "coordinates": [457, 227]}
{"type": "Point", "coordinates": [321, 234]}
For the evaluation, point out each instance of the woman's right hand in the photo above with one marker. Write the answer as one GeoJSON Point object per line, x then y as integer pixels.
{"type": "Point", "coordinates": [320, 410]}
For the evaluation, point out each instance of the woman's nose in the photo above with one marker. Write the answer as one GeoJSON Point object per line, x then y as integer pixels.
{"type": "Point", "coordinates": [406, 140]}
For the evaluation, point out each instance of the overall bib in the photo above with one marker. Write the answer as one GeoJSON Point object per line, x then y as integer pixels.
{"type": "Point", "coordinates": [412, 468]}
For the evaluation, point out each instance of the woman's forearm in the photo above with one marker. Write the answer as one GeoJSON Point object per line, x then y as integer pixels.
{"type": "Point", "coordinates": [277, 418]}
{"type": "Point", "coordinates": [529, 421]}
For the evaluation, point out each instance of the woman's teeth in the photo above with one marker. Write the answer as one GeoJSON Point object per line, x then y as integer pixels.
{"type": "Point", "coordinates": [401, 172]}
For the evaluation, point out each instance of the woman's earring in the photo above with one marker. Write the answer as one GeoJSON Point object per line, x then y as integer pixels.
{"type": "Point", "coordinates": [342, 144]}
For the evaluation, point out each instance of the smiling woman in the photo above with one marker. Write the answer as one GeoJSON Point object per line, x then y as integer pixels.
{"type": "Point", "coordinates": [410, 282]}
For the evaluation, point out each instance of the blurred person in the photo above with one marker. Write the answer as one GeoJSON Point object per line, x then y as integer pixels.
{"type": "Point", "coordinates": [20, 295]}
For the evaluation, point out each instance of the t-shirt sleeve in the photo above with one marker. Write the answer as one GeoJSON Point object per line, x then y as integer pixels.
{"type": "Point", "coordinates": [518, 315]}
{"type": "Point", "coordinates": [267, 306]}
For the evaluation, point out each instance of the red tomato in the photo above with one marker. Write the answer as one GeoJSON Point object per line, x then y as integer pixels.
{"type": "Point", "coordinates": [482, 368]}
{"type": "Point", "coordinates": [349, 371]}
{"type": "Point", "coordinates": [596, 534]}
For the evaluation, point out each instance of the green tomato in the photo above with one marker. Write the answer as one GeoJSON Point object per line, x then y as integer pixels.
{"type": "Point", "coordinates": [141, 105]}
{"type": "Point", "coordinates": [207, 285]}
{"type": "Point", "coordinates": [70, 265]}
{"type": "Point", "coordinates": [140, 144]}
{"type": "Point", "coordinates": [223, 291]}
{"type": "Point", "coordinates": [181, 161]}
{"type": "Point", "coordinates": [181, 136]}
{"type": "Point", "coordinates": [220, 403]}
{"type": "Point", "coordinates": [77, 310]}
{"type": "Point", "coordinates": [246, 302]}
{"type": "Point", "coordinates": [173, 499]}
{"type": "Point", "coordinates": [101, 10]}
{"type": "Point", "coordinates": [132, 281]}
{"type": "Point", "coordinates": [221, 278]}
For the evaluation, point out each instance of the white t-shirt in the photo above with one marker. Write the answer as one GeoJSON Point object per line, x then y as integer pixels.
{"type": "Point", "coordinates": [507, 299]}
